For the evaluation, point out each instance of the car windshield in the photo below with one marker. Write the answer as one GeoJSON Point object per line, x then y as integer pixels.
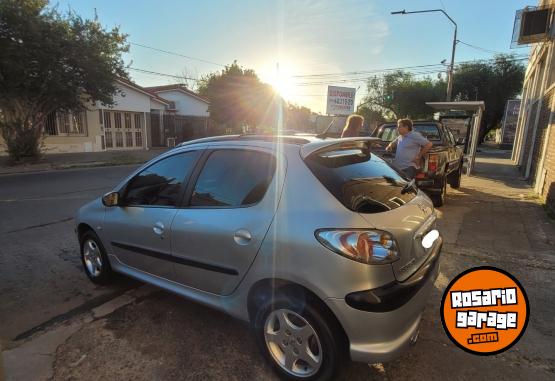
{"type": "Point", "coordinates": [362, 182]}
{"type": "Point", "coordinates": [429, 131]}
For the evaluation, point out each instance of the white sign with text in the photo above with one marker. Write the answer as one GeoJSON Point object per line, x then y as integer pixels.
{"type": "Point", "coordinates": [341, 100]}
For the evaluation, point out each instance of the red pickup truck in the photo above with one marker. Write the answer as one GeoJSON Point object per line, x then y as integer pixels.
{"type": "Point", "coordinates": [442, 165]}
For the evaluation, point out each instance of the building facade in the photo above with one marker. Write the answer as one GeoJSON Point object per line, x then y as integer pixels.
{"type": "Point", "coordinates": [534, 146]}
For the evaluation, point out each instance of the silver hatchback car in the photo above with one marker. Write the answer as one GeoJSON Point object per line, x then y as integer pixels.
{"type": "Point", "coordinates": [322, 246]}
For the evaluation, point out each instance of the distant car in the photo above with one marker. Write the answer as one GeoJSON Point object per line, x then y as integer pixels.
{"type": "Point", "coordinates": [441, 166]}
{"type": "Point", "coordinates": [323, 247]}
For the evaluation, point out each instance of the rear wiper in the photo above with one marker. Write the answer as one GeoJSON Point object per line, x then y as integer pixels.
{"type": "Point", "coordinates": [410, 186]}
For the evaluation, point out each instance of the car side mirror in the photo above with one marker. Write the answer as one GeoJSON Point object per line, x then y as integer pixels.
{"type": "Point", "coordinates": [460, 142]}
{"type": "Point", "coordinates": [111, 199]}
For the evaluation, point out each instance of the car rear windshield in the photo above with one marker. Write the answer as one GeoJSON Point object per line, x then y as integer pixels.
{"type": "Point", "coordinates": [429, 131]}
{"type": "Point", "coordinates": [361, 181]}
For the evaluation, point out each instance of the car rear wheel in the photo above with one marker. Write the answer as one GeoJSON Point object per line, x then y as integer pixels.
{"type": "Point", "coordinates": [297, 339]}
{"type": "Point", "coordinates": [94, 259]}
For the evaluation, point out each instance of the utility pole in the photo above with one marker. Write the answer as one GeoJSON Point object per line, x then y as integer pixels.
{"type": "Point", "coordinates": [451, 67]}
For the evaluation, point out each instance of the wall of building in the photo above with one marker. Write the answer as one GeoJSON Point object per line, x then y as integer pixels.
{"type": "Point", "coordinates": [186, 104]}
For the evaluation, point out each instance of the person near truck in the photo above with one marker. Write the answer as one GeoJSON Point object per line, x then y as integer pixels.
{"type": "Point", "coordinates": [411, 147]}
{"type": "Point", "coordinates": [353, 126]}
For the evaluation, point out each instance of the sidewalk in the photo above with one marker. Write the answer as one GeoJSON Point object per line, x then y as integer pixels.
{"type": "Point", "coordinates": [57, 161]}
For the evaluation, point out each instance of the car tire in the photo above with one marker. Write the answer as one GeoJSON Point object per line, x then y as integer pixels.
{"type": "Point", "coordinates": [439, 199]}
{"type": "Point", "coordinates": [94, 259]}
{"type": "Point", "coordinates": [455, 181]}
{"type": "Point", "coordinates": [307, 333]}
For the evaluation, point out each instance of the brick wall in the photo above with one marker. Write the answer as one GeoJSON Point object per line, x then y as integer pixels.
{"type": "Point", "coordinates": [541, 135]}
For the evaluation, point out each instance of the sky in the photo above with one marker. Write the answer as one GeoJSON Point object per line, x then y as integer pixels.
{"type": "Point", "coordinates": [286, 41]}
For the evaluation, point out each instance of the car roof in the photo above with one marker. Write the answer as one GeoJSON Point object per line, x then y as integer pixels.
{"type": "Point", "coordinates": [307, 143]}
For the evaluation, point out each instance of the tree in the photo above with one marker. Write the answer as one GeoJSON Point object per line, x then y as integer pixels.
{"type": "Point", "coordinates": [298, 118]}
{"type": "Point", "coordinates": [50, 63]}
{"type": "Point", "coordinates": [494, 83]}
{"type": "Point", "coordinates": [372, 118]}
{"type": "Point", "coordinates": [238, 97]}
{"type": "Point", "coordinates": [399, 94]}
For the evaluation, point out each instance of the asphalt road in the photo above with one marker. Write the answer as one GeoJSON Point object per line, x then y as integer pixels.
{"type": "Point", "coordinates": [40, 270]}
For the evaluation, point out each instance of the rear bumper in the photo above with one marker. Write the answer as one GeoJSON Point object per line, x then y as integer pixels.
{"type": "Point", "coordinates": [431, 184]}
{"type": "Point", "coordinates": [381, 323]}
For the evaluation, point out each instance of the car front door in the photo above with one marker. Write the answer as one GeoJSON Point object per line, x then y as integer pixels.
{"type": "Point", "coordinates": [218, 231]}
{"type": "Point", "coordinates": [139, 230]}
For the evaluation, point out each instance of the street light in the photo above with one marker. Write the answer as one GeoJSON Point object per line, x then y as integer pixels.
{"type": "Point", "coordinates": [450, 78]}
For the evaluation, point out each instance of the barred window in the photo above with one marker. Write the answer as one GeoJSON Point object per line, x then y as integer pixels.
{"type": "Point", "coordinates": [138, 139]}
{"type": "Point", "coordinates": [117, 119]}
{"type": "Point", "coordinates": [78, 123]}
{"type": "Point", "coordinates": [127, 117]}
{"type": "Point", "coordinates": [50, 124]}
{"type": "Point", "coordinates": [63, 123]}
{"type": "Point", "coordinates": [138, 120]}
{"type": "Point", "coordinates": [119, 139]}
{"type": "Point", "coordinates": [107, 120]}
{"type": "Point", "coordinates": [128, 139]}
{"type": "Point", "coordinates": [109, 141]}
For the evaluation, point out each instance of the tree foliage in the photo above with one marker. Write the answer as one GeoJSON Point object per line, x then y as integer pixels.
{"type": "Point", "coordinates": [399, 94]}
{"type": "Point", "coordinates": [51, 62]}
{"type": "Point", "coordinates": [494, 83]}
{"type": "Point", "coordinates": [238, 97]}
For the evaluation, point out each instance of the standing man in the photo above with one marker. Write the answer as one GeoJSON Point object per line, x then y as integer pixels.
{"type": "Point", "coordinates": [411, 147]}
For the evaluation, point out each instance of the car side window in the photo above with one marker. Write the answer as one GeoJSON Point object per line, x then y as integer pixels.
{"type": "Point", "coordinates": [233, 178]}
{"type": "Point", "coordinates": [161, 184]}
{"type": "Point", "coordinates": [389, 133]}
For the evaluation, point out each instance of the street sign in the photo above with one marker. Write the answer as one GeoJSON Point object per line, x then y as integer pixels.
{"type": "Point", "coordinates": [341, 100]}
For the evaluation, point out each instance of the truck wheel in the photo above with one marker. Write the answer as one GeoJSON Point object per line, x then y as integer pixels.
{"type": "Point", "coordinates": [455, 181]}
{"type": "Point", "coordinates": [439, 199]}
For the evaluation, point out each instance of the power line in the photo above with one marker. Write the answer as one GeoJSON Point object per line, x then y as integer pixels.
{"type": "Point", "coordinates": [177, 54]}
{"type": "Point", "coordinates": [405, 68]}
{"type": "Point", "coordinates": [161, 74]}
{"type": "Point", "coordinates": [344, 78]}
{"type": "Point", "coordinates": [478, 48]}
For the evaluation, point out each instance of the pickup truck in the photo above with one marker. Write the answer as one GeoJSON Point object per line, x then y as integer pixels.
{"type": "Point", "coordinates": [442, 165]}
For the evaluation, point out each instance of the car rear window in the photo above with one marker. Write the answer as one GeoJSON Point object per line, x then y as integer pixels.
{"type": "Point", "coordinates": [429, 131]}
{"type": "Point", "coordinates": [361, 181]}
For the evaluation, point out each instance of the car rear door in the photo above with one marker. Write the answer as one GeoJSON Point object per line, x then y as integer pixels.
{"type": "Point", "coordinates": [229, 208]}
{"type": "Point", "coordinates": [139, 230]}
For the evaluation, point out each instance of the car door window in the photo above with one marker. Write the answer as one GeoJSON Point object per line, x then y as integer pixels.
{"type": "Point", "coordinates": [233, 178]}
{"type": "Point", "coordinates": [162, 183]}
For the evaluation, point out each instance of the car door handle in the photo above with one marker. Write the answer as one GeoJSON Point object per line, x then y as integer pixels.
{"type": "Point", "coordinates": [242, 237]}
{"type": "Point", "coordinates": [158, 229]}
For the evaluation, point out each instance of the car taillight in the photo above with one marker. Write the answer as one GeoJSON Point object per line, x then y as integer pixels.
{"type": "Point", "coordinates": [433, 161]}
{"type": "Point", "coordinates": [365, 246]}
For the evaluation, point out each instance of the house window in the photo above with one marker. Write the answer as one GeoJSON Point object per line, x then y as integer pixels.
{"type": "Point", "coordinates": [127, 118]}
{"type": "Point", "coordinates": [117, 119]}
{"type": "Point", "coordinates": [99, 116]}
{"type": "Point", "coordinates": [128, 139]}
{"type": "Point", "coordinates": [63, 123]}
{"type": "Point", "coordinates": [138, 119]}
{"type": "Point", "coordinates": [109, 142]}
{"type": "Point", "coordinates": [119, 139]}
{"type": "Point", "coordinates": [78, 123]}
{"type": "Point", "coordinates": [50, 125]}
{"type": "Point", "coordinates": [138, 139]}
{"type": "Point", "coordinates": [107, 120]}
